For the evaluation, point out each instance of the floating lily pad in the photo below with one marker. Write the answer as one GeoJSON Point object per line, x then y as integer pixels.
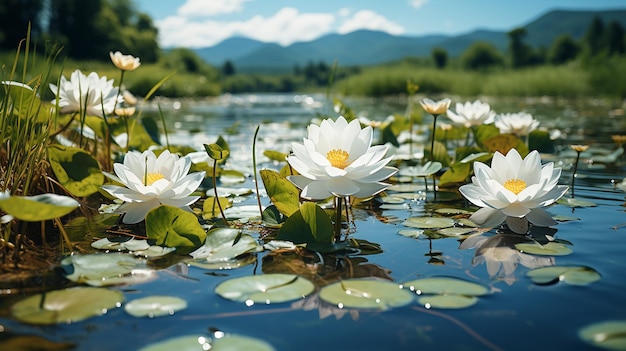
{"type": "Point", "coordinates": [610, 335]}
{"type": "Point", "coordinates": [574, 275]}
{"type": "Point", "coordinates": [429, 222]}
{"type": "Point", "coordinates": [226, 192]}
{"type": "Point", "coordinates": [394, 207]}
{"type": "Point", "coordinates": [562, 218]}
{"type": "Point", "coordinates": [455, 231]}
{"type": "Point", "coordinates": [391, 199]}
{"type": "Point", "coordinates": [66, 306]}
{"type": "Point", "coordinates": [201, 343]}
{"type": "Point", "coordinates": [549, 249]}
{"type": "Point", "coordinates": [38, 208]}
{"type": "Point", "coordinates": [452, 211]}
{"type": "Point", "coordinates": [407, 188]}
{"type": "Point", "coordinates": [223, 244]}
{"type": "Point", "coordinates": [446, 286]}
{"type": "Point", "coordinates": [155, 306]}
{"type": "Point", "coordinates": [411, 233]}
{"type": "Point", "coordinates": [123, 244]}
{"type": "Point", "coordinates": [106, 269]}
{"type": "Point", "coordinates": [447, 301]}
{"type": "Point", "coordinates": [238, 262]}
{"type": "Point", "coordinates": [265, 288]}
{"type": "Point", "coordinates": [574, 202]}
{"type": "Point", "coordinates": [366, 294]}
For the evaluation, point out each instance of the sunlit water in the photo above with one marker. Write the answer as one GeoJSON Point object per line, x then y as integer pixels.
{"type": "Point", "coordinates": [516, 315]}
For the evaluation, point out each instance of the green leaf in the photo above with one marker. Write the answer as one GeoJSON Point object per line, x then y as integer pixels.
{"type": "Point", "coordinates": [174, 227]}
{"type": "Point", "coordinates": [540, 140]}
{"type": "Point", "coordinates": [275, 155]}
{"type": "Point", "coordinates": [223, 244]}
{"type": "Point", "coordinates": [155, 306]}
{"type": "Point", "coordinates": [66, 306]}
{"type": "Point", "coordinates": [265, 288]}
{"type": "Point", "coordinates": [446, 286]}
{"type": "Point", "coordinates": [609, 335]}
{"type": "Point", "coordinates": [215, 152]}
{"type": "Point", "coordinates": [76, 170]}
{"type": "Point", "coordinates": [441, 154]}
{"type": "Point", "coordinates": [447, 301]}
{"type": "Point", "coordinates": [26, 102]}
{"type": "Point", "coordinates": [210, 208]}
{"type": "Point", "coordinates": [38, 208]}
{"type": "Point", "coordinates": [429, 222]}
{"type": "Point", "coordinates": [550, 249]}
{"type": "Point", "coordinates": [283, 194]}
{"type": "Point", "coordinates": [505, 142]}
{"type": "Point", "coordinates": [366, 294]}
{"type": "Point", "coordinates": [484, 132]}
{"type": "Point", "coordinates": [229, 342]}
{"type": "Point", "coordinates": [310, 224]}
{"type": "Point", "coordinates": [573, 275]}
{"type": "Point", "coordinates": [457, 173]}
{"type": "Point", "coordinates": [106, 269]}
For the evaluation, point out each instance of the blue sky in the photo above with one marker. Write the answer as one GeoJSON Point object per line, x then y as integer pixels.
{"type": "Point", "coordinates": [202, 23]}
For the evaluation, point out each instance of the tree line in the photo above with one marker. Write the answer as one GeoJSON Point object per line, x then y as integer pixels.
{"type": "Point", "coordinates": [87, 29]}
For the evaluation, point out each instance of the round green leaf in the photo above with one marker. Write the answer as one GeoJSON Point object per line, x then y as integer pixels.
{"type": "Point", "coordinates": [550, 249]}
{"type": "Point", "coordinates": [155, 306]}
{"type": "Point", "coordinates": [574, 202]}
{"type": "Point", "coordinates": [574, 275]}
{"type": "Point", "coordinates": [407, 188]}
{"type": "Point", "coordinates": [265, 288]}
{"type": "Point", "coordinates": [66, 306]}
{"type": "Point", "coordinates": [106, 269]}
{"type": "Point", "coordinates": [38, 208]}
{"type": "Point", "coordinates": [429, 222]}
{"type": "Point", "coordinates": [411, 233]}
{"type": "Point", "coordinates": [75, 169]}
{"type": "Point", "coordinates": [202, 343]}
{"type": "Point", "coordinates": [447, 301]}
{"type": "Point", "coordinates": [455, 231]}
{"type": "Point", "coordinates": [365, 294]}
{"type": "Point", "coordinates": [223, 244]}
{"type": "Point", "coordinates": [446, 286]}
{"type": "Point", "coordinates": [451, 211]}
{"type": "Point", "coordinates": [283, 194]}
{"type": "Point", "coordinates": [174, 227]}
{"type": "Point", "coordinates": [610, 335]}
{"type": "Point", "coordinates": [221, 265]}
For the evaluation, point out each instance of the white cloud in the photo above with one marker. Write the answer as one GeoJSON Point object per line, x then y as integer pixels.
{"type": "Point", "coordinates": [199, 8]}
{"type": "Point", "coordinates": [345, 11]}
{"type": "Point", "coordinates": [367, 19]}
{"type": "Point", "coordinates": [417, 3]}
{"type": "Point", "coordinates": [285, 27]}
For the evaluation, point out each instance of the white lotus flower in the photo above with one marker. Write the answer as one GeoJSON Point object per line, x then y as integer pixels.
{"type": "Point", "coordinates": [514, 190]}
{"type": "Point", "coordinates": [435, 107]}
{"type": "Point", "coordinates": [124, 62]}
{"type": "Point", "coordinates": [472, 114]}
{"type": "Point", "coordinates": [336, 158]}
{"type": "Point", "coordinates": [520, 124]}
{"type": "Point", "coordinates": [151, 182]}
{"type": "Point", "coordinates": [90, 93]}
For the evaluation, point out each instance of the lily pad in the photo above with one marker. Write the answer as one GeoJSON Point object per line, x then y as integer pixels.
{"type": "Point", "coordinates": [66, 306]}
{"type": "Point", "coordinates": [447, 301]}
{"type": "Point", "coordinates": [233, 263]}
{"type": "Point", "coordinates": [574, 202]}
{"type": "Point", "coordinates": [78, 171]}
{"type": "Point", "coordinates": [106, 269]}
{"type": "Point", "coordinates": [155, 306]}
{"type": "Point", "coordinates": [429, 222]}
{"type": "Point", "coordinates": [174, 227]}
{"type": "Point", "coordinates": [446, 286]}
{"type": "Point", "coordinates": [265, 288]}
{"type": "Point", "coordinates": [407, 188]}
{"type": "Point", "coordinates": [201, 343]}
{"type": "Point", "coordinates": [452, 211]}
{"type": "Point", "coordinates": [365, 294]}
{"type": "Point", "coordinates": [411, 233]}
{"type": "Point", "coordinates": [574, 275]}
{"type": "Point", "coordinates": [223, 244]}
{"type": "Point", "coordinates": [455, 231]}
{"type": "Point", "coordinates": [610, 335]}
{"type": "Point", "coordinates": [548, 249]}
{"type": "Point", "coordinates": [38, 208]}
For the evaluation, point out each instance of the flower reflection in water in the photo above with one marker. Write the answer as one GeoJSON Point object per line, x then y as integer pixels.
{"type": "Point", "coordinates": [500, 255]}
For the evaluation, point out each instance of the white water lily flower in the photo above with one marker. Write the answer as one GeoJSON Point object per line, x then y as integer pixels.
{"type": "Point", "coordinates": [124, 62]}
{"type": "Point", "coordinates": [520, 124]}
{"type": "Point", "coordinates": [472, 114]}
{"type": "Point", "coordinates": [151, 182]}
{"type": "Point", "coordinates": [514, 190]}
{"type": "Point", "coordinates": [336, 158]}
{"type": "Point", "coordinates": [90, 93]}
{"type": "Point", "coordinates": [435, 107]}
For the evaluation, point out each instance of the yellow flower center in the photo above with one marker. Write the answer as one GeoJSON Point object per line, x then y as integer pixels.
{"type": "Point", "coordinates": [338, 158]}
{"type": "Point", "coordinates": [515, 185]}
{"type": "Point", "coordinates": [152, 177]}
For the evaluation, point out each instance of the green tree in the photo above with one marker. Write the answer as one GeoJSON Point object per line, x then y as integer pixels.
{"type": "Point", "coordinates": [563, 49]}
{"type": "Point", "coordinates": [440, 57]}
{"type": "Point", "coordinates": [15, 15]}
{"type": "Point", "coordinates": [518, 50]}
{"type": "Point", "coordinates": [228, 68]}
{"type": "Point", "coordinates": [594, 39]}
{"type": "Point", "coordinates": [614, 37]}
{"type": "Point", "coordinates": [481, 55]}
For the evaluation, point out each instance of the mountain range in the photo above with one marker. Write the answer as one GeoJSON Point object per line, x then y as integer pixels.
{"type": "Point", "coordinates": [365, 47]}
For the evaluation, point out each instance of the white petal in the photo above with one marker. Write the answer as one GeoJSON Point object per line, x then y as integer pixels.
{"type": "Point", "coordinates": [136, 212]}
{"type": "Point", "coordinates": [341, 186]}
{"type": "Point", "coordinates": [515, 210]}
{"type": "Point", "coordinates": [316, 190]}
{"type": "Point", "coordinates": [540, 218]}
{"type": "Point", "coordinates": [487, 217]}
{"type": "Point", "coordinates": [517, 224]}
{"type": "Point", "coordinates": [369, 189]}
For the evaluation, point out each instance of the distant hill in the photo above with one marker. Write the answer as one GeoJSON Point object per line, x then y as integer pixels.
{"type": "Point", "coordinates": [365, 47]}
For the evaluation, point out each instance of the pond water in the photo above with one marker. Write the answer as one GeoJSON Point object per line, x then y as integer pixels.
{"type": "Point", "coordinates": [516, 314]}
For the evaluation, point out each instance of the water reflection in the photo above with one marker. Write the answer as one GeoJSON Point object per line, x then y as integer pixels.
{"type": "Point", "coordinates": [499, 254]}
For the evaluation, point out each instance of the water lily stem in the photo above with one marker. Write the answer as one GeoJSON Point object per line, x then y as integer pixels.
{"type": "Point", "coordinates": [338, 202]}
{"type": "Point", "coordinates": [217, 199]}
{"type": "Point", "coordinates": [432, 139]}
{"type": "Point", "coordinates": [575, 170]}
{"type": "Point", "coordinates": [256, 180]}
{"type": "Point", "coordinates": [167, 141]}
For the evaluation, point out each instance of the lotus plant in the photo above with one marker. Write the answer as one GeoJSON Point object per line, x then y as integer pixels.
{"type": "Point", "coordinates": [435, 108]}
{"type": "Point", "coordinates": [337, 159]}
{"type": "Point", "coordinates": [94, 95]}
{"type": "Point", "coordinates": [519, 124]}
{"type": "Point", "coordinates": [150, 181]}
{"type": "Point", "coordinates": [472, 114]}
{"type": "Point", "coordinates": [514, 190]}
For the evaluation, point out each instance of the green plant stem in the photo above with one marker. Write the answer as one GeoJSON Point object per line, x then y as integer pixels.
{"type": "Point", "coordinates": [256, 180]}
{"type": "Point", "coordinates": [338, 202]}
{"type": "Point", "coordinates": [217, 199]}
{"type": "Point", "coordinates": [432, 139]}
{"type": "Point", "coordinates": [575, 170]}
{"type": "Point", "coordinates": [127, 134]}
{"type": "Point", "coordinates": [167, 140]}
